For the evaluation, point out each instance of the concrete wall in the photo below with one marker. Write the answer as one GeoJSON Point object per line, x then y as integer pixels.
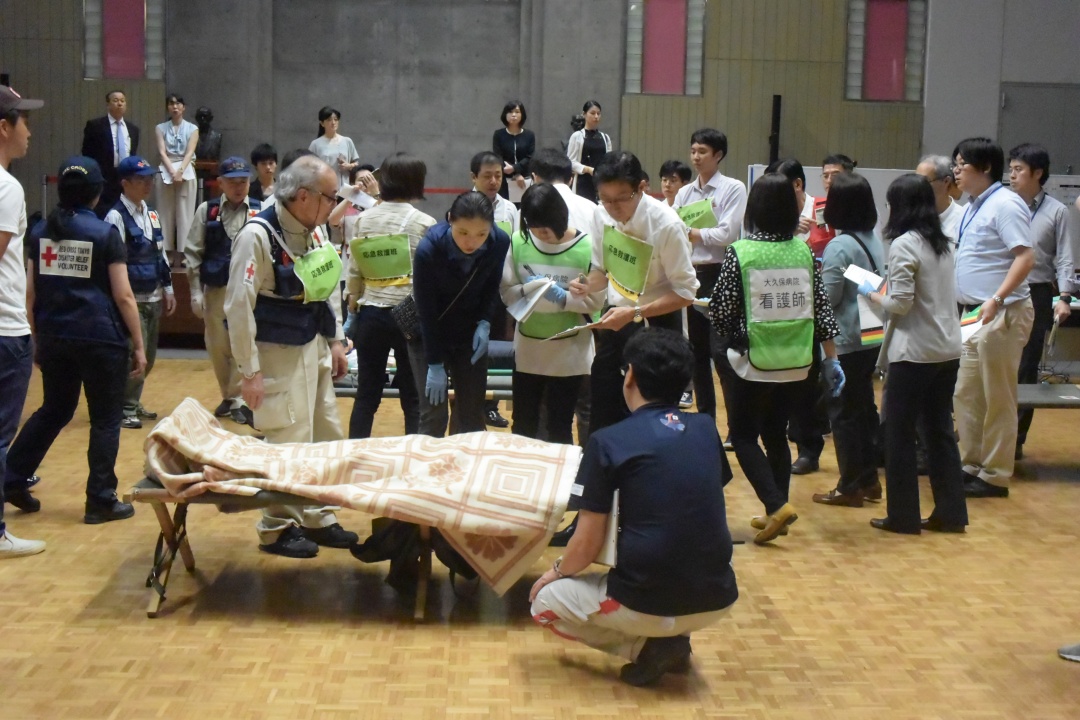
{"type": "Point", "coordinates": [974, 46]}
{"type": "Point", "coordinates": [427, 76]}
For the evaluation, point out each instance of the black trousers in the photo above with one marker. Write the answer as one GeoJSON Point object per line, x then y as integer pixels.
{"type": "Point", "coordinates": [1042, 297]}
{"type": "Point", "coordinates": [760, 410]}
{"type": "Point", "coordinates": [855, 422]}
{"type": "Point", "coordinates": [922, 390]}
{"type": "Point", "coordinates": [375, 334]}
{"type": "Point", "coordinates": [67, 369]}
{"type": "Point", "coordinates": [809, 419]}
{"type": "Point", "coordinates": [558, 395]}
{"type": "Point", "coordinates": [703, 342]}
{"type": "Point", "coordinates": [607, 405]}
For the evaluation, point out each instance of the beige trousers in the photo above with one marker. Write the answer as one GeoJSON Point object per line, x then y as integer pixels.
{"type": "Point", "coordinates": [578, 608]}
{"type": "Point", "coordinates": [299, 406]}
{"type": "Point", "coordinates": [985, 397]}
{"type": "Point", "coordinates": [176, 209]}
{"type": "Point", "coordinates": [218, 347]}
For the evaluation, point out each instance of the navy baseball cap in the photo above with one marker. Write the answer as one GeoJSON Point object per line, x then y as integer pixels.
{"type": "Point", "coordinates": [11, 100]}
{"type": "Point", "coordinates": [134, 165]}
{"type": "Point", "coordinates": [80, 165]}
{"type": "Point", "coordinates": [234, 167]}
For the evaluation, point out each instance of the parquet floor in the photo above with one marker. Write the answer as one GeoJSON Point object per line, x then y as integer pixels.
{"type": "Point", "coordinates": [835, 621]}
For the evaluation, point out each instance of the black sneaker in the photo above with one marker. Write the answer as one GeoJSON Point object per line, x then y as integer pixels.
{"type": "Point", "coordinates": [292, 543]}
{"type": "Point", "coordinates": [97, 514]}
{"type": "Point", "coordinates": [223, 409]}
{"type": "Point", "coordinates": [333, 536]}
{"type": "Point", "coordinates": [131, 422]}
{"type": "Point", "coordinates": [494, 419]}
{"type": "Point", "coordinates": [20, 497]}
{"type": "Point", "coordinates": [242, 416]}
{"type": "Point", "coordinates": [562, 537]}
{"type": "Point", "coordinates": [686, 401]}
{"type": "Point", "coordinates": [658, 656]}
{"type": "Point", "coordinates": [145, 414]}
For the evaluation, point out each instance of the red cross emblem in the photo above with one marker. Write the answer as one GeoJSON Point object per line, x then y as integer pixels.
{"type": "Point", "coordinates": [250, 272]}
{"type": "Point", "coordinates": [48, 256]}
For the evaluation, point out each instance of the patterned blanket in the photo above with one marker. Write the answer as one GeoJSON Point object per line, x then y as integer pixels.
{"type": "Point", "coordinates": [497, 498]}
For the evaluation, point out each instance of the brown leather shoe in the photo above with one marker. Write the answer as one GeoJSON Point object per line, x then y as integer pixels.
{"type": "Point", "coordinates": [873, 493]}
{"type": "Point", "coordinates": [835, 497]}
{"type": "Point", "coordinates": [758, 522]}
{"type": "Point", "coordinates": [775, 523]}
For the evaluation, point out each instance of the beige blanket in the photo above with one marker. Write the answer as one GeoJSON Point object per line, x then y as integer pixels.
{"type": "Point", "coordinates": [497, 498]}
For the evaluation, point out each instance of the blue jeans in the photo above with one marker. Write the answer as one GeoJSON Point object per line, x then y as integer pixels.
{"type": "Point", "coordinates": [16, 363]}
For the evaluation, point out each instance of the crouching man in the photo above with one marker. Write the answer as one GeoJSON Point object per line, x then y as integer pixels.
{"type": "Point", "coordinates": [673, 571]}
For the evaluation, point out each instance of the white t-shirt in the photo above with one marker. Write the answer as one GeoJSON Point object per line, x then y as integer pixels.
{"type": "Point", "coordinates": [950, 220]}
{"type": "Point", "coordinates": [13, 321]}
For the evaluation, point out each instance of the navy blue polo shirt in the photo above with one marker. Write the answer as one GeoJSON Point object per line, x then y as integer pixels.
{"type": "Point", "coordinates": [674, 548]}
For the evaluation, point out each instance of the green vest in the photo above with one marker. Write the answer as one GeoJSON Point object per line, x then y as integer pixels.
{"type": "Point", "coordinates": [505, 225]}
{"type": "Point", "coordinates": [778, 291]}
{"type": "Point", "coordinates": [562, 267]}
{"type": "Point", "coordinates": [384, 260]}
{"type": "Point", "coordinates": [626, 261]}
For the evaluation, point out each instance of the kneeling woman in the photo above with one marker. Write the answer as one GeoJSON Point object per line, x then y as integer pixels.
{"type": "Point", "coordinates": [549, 373]}
{"type": "Point", "coordinates": [456, 273]}
{"type": "Point", "coordinates": [770, 300]}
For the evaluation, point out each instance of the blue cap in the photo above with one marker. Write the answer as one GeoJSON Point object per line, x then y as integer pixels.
{"type": "Point", "coordinates": [80, 165]}
{"type": "Point", "coordinates": [232, 167]}
{"type": "Point", "coordinates": [134, 165]}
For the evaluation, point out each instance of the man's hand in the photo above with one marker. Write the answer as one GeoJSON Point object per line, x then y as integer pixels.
{"type": "Point", "coordinates": [545, 579]}
{"type": "Point", "coordinates": [251, 389]}
{"type": "Point", "coordinates": [988, 311]}
{"type": "Point", "coordinates": [616, 318]}
{"type": "Point", "coordinates": [170, 303]}
{"type": "Point", "coordinates": [138, 363]}
{"type": "Point", "coordinates": [197, 305]}
{"type": "Point", "coordinates": [1062, 311]}
{"type": "Point", "coordinates": [338, 359]}
{"type": "Point", "coordinates": [805, 224]}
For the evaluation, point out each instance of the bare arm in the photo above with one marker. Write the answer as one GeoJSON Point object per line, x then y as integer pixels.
{"type": "Point", "coordinates": [161, 151]}
{"type": "Point", "coordinates": [189, 152]}
{"type": "Point", "coordinates": [1023, 261]}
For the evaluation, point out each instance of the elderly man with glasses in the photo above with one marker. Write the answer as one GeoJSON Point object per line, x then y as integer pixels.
{"type": "Point", "coordinates": [938, 169]}
{"type": "Point", "coordinates": [287, 339]}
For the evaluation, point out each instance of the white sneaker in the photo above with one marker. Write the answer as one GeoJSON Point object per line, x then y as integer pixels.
{"type": "Point", "coordinates": [11, 546]}
{"type": "Point", "coordinates": [1071, 652]}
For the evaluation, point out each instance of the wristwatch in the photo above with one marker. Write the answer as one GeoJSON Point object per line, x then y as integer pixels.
{"type": "Point", "coordinates": [998, 299]}
{"type": "Point", "coordinates": [638, 317]}
{"type": "Point", "coordinates": [1065, 298]}
{"type": "Point", "coordinates": [555, 567]}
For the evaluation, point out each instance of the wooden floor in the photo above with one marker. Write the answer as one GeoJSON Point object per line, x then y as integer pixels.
{"type": "Point", "coordinates": [836, 620]}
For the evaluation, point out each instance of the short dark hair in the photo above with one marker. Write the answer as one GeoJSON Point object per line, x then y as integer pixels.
{"type": "Point", "coordinates": [850, 204]}
{"type": "Point", "coordinates": [551, 165]}
{"type": "Point", "coordinates": [711, 137]}
{"type": "Point", "coordinates": [771, 206]}
{"type": "Point", "coordinates": [984, 154]}
{"type": "Point", "coordinates": [619, 166]}
{"type": "Point", "coordinates": [481, 159]}
{"type": "Point", "coordinates": [402, 177]}
{"type": "Point", "coordinates": [359, 169]}
{"type": "Point", "coordinates": [472, 204]}
{"type": "Point", "coordinates": [12, 117]}
{"type": "Point", "coordinates": [508, 107]}
{"type": "Point", "coordinates": [543, 207]}
{"type": "Point", "coordinates": [76, 192]}
{"type": "Point", "coordinates": [1035, 157]}
{"type": "Point", "coordinates": [662, 362]}
{"type": "Point", "coordinates": [263, 151]}
{"type": "Point", "coordinates": [677, 168]}
{"type": "Point", "coordinates": [840, 159]}
{"type": "Point", "coordinates": [292, 156]}
{"type": "Point", "coordinates": [912, 207]}
{"type": "Point", "coordinates": [790, 168]}
{"type": "Point", "coordinates": [589, 105]}
{"type": "Point", "coordinates": [173, 97]}
{"type": "Point", "coordinates": [108, 95]}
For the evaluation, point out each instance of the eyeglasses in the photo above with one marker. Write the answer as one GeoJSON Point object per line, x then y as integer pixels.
{"type": "Point", "coordinates": [332, 198]}
{"type": "Point", "coordinates": [960, 165]}
{"type": "Point", "coordinates": [618, 201]}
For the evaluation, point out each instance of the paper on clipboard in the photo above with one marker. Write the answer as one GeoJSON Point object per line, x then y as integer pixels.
{"type": "Point", "coordinates": [514, 192]}
{"type": "Point", "coordinates": [166, 177]}
{"type": "Point", "coordinates": [533, 291]}
{"type": "Point", "coordinates": [571, 331]}
{"type": "Point", "coordinates": [357, 197]}
{"type": "Point", "coordinates": [608, 551]}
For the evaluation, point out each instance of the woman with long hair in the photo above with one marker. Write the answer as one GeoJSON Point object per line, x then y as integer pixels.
{"type": "Point", "coordinates": [586, 149]}
{"type": "Point", "coordinates": [335, 149]}
{"type": "Point", "coordinates": [922, 350]}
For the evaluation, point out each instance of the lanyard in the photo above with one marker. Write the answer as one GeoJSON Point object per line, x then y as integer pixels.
{"type": "Point", "coordinates": [1038, 208]}
{"type": "Point", "coordinates": [965, 225]}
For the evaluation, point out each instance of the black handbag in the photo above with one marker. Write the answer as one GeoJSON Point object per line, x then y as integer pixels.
{"type": "Point", "coordinates": [407, 318]}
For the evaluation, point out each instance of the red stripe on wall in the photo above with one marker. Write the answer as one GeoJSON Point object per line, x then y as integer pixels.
{"type": "Point", "coordinates": [123, 38]}
{"type": "Point", "coordinates": [886, 49]}
{"type": "Point", "coordinates": [663, 61]}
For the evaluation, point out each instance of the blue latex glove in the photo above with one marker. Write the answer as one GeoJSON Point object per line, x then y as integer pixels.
{"type": "Point", "coordinates": [348, 326]}
{"type": "Point", "coordinates": [435, 388]}
{"type": "Point", "coordinates": [556, 294]}
{"type": "Point", "coordinates": [867, 287]}
{"type": "Point", "coordinates": [834, 375]}
{"type": "Point", "coordinates": [533, 277]}
{"type": "Point", "coordinates": [480, 340]}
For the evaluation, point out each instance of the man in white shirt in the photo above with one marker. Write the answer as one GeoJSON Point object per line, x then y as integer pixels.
{"type": "Point", "coordinates": [993, 259]}
{"type": "Point", "coordinates": [148, 271]}
{"type": "Point", "coordinates": [16, 346]}
{"type": "Point", "coordinates": [1029, 168]}
{"type": "Point", "coordinates": [938, 170]}
{"type": "Point", "coordinates": [727, 197]}
{"type": "Point", "coordinates": [108, 140]}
